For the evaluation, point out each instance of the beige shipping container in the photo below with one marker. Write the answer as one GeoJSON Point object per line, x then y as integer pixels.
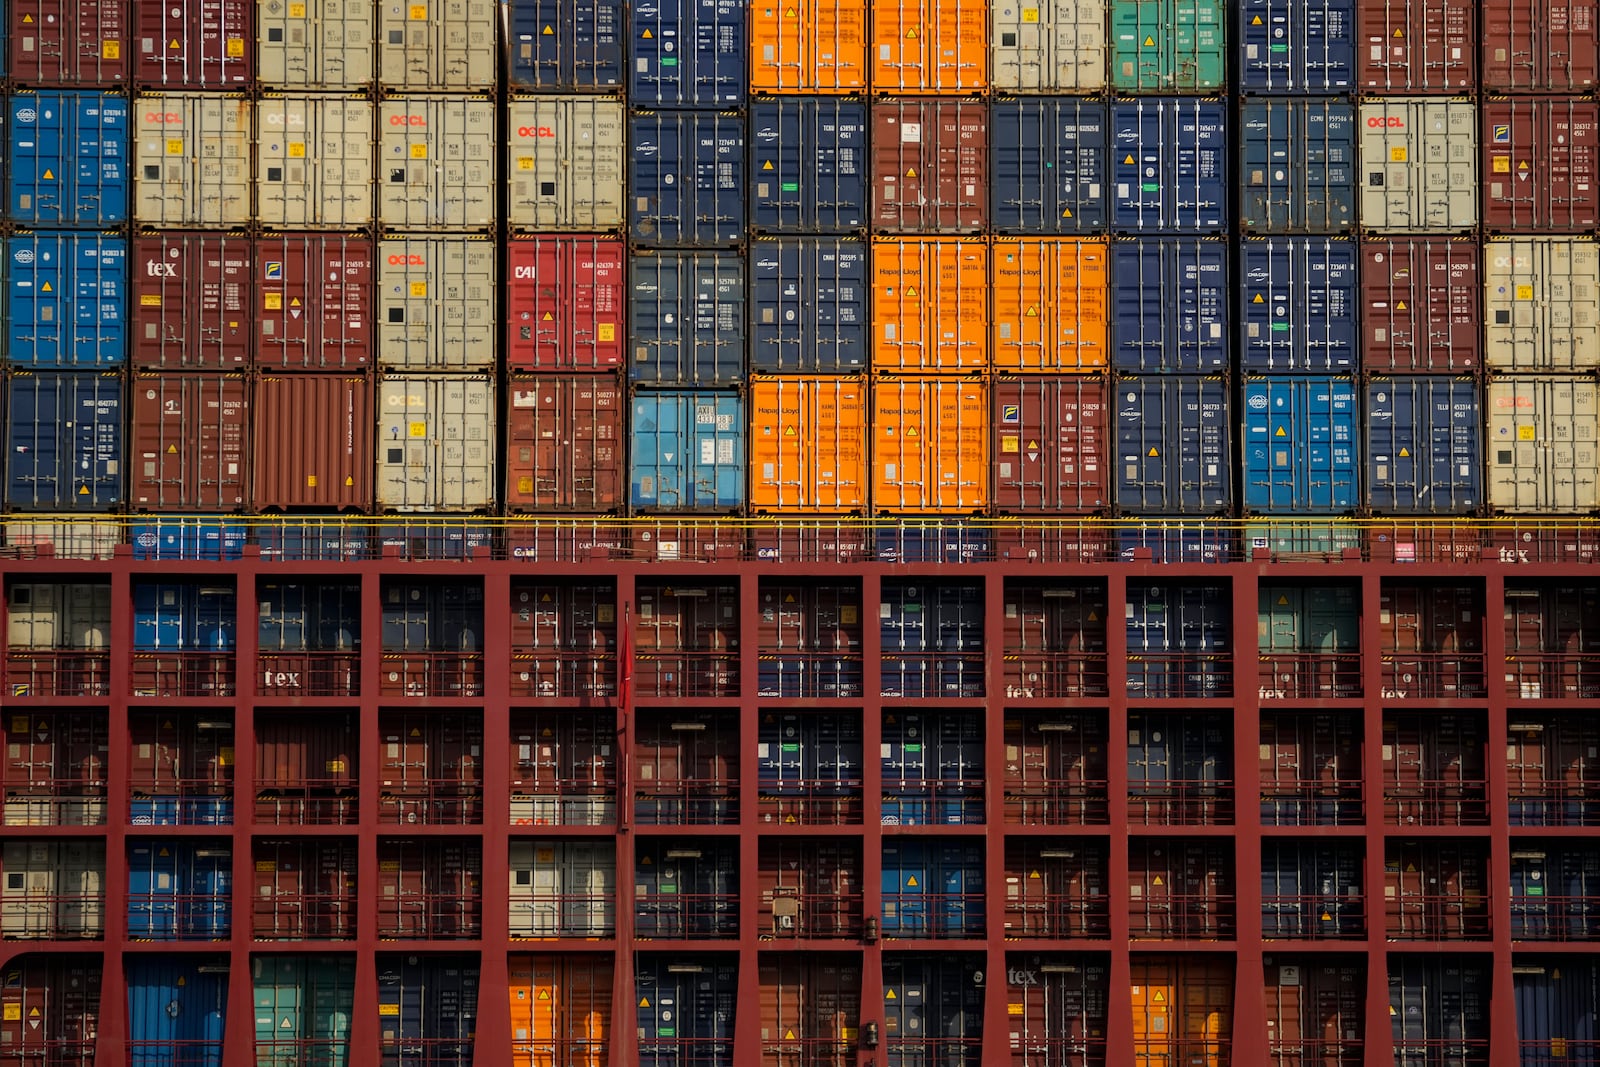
{"type": "Point", "coordinates": [314, 160]}
{"type": "Point", "coordinates": [1541, 309]}
{"type": "Point", "coordinates": [315, 44]}
{"type": "Point", "coordinates": [437, 44]}
{"type": "Point", "coordinates": [436, 162]}
{"type": "Point", "coordinates": [436, 303]}
{"type": "Point", "coordinates": [565, 160]}
{"type": "Point", "coordinates": [1419, 164]}
{"type": "Point", "coordinates": [808, 443]}
{"type": "Point", "coordinates": [192, 159]}
{"type": "Point", "coordinates": [1544, 445]}
{"type": "Point", "coordinates": [52, 615]}
{"type": "Point", "coordinates": [1047, 45]}
{"type": "Point", "coordinates": [436, 443]}
{"type": "Point", "coordinates": [67, 540]}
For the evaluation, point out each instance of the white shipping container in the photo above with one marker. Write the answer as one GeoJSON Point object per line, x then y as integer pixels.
{"type": "Point", "coordinates": [1541, 309]}
{"type": "Point", "coordinates": [436, 162]}
{"type": "Point", "coordinates": [436, 443]}
{"type": "Point", "coordinates": [436, 303]}
{"type": "Point", "coordinates": [58, 615]}
{"type": "Point", "coordinates": [1544, 445]}
{"type": "Point", "coordinates": [68, 540]}
{"type": "Point", "coordinates": [52, 889]}
{"type": "Point", "coordinates": [562, 888]}
{"type": "Point", "coordinates": [565, 157]}
{"type": "Point", "coordinates": [1419, 164]}
{"type": "Point", "coordinates": [437, 44]}
{"type": "Point", "coordinates": [315, 44]}
{"type": "Point", "coordinates": [314, 160]}
{"type": "Point", "coordinates": [1048, 45]}
{"type": "Point", "coordinates": [192, 159]}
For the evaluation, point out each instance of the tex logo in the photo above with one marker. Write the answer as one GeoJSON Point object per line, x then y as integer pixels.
{"type": "Point", "coordinates": [274, 271]}
{"type": "Point", "coordinates": [1011, 413]}
{"type": "Point", "coordinates": [1502, 134]}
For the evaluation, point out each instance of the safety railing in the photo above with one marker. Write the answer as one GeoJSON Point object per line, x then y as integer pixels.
{"type": "Point", "coordinates": [816, 915]}
{"type": "Point", "coordinates": [30, 915]}
{"type": "Point", "coordinates": [181, 802]}
{"type": "Point", "coordinates": [308, 674]}
{"type": "Point", "coordinates": [174, 1053]}
{"type": "Point", "coordinates": [1186, 675]}
{"type": "Point", "coordinates": [1432, 676]}
{"type": "Point", "coordinates": [304, 917]}
{"type": "Point", "coordinates": [1183, 1050]}
{"type": "Point", "coordinates": [315, 802]}
{"type": "Point", "coordinates": [932, 675]}
{"type": "Point", "coordinates": [690, 916]}
{"type": "Point", "coordinates": [1312, 803]}
{"type": "Point", "coordinates": [1437, 802]}
{"type": "Point", "coordinates": [1056, 675]}
{"type": "Point", "coordinates": [179, 916]}
{"type": "Point", "coordinates": [425, 1051]}
{"type": "Point", "coordinates": [1313, 918]}
{"type": "Point", "coordinates": [1436, 916]}
{"type": "Point", "coordinates": [812, 802]}
{"type": "Point", "coordinates": [1181, 802]}
{"type": "Point", "coordinates": [1058, 915]}
{"type": "Point", "coordinates": [815, 675]}
{"type": "Point", "coordinates": [687, 802]}
{"type": "Point", "coordinates": [1554, 804]}
{"type": "Point", "coordinates": [658, 1051]}
{"type": "Point", "coordinates": [1079, 803]}
{"type": "Point", "coordinates": [566, 804]}
{"type": "Point", "coordinates": [37, 673]}
{"type": "Point", "coordinates": [934, 1051]}
{"type": "Point", "coordinates": [686, 674]}
{"type": "Point", "coordinates": [431, 674]}
{"type": "Point", "coordinates": [1562, 918]}
{"type": "Point", "coordinates": [311, 1052]}
{"type": "Point", "coordinates": [1310, 675]}
{"type": "Point", "coordinates": [62, 808]}
{"type": "Point", "coordinates": [1344, 1053]}
{"type": "Point", "coordinates": [183, 674]}
{"type": "Point", "coordinates": [1553, 675]}
{"type": "Point", "coordinates": [1182, 916]}
{"type": "Point", "coordinates": [933, 916]}
{"type": "Point", "coordinates": [1560, 1052]}
{"type": "Point", "coordinates": [557, 1049]}
{"type": "Point", "coordinates": [587, 674]}
{"type": "Point", "coordinates": [434, 802]}
{"type": "Point", "coordinates": [430, 917]}
{"type": "Point", "coordinates": [52, 1052]}
{"type": "Point", "coordinates": [540, 914]}
{"type": "Point", "coordinates": [783, 1050]}
{"type": "Point", "coordinates": [1442, 1052]}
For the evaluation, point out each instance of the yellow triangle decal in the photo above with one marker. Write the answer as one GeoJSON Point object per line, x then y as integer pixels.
{"type": "Point", "coordinates": [788, 431]}
{"type": "Point", "coordinates": [49, 175]}
{"type": "Point", "coordinates": [1258, 300]}
{"type": "Point", "coordinates": [83, 490]}
{"type": "Point", "coordinates": [911, 172]}
{"type": "Point", "coordinates": [1033, 444]}
{"type": "Point", "coordinates": [349, 480]}
{"type": "Point", "coordinates": [1153, 453]}
{"type": "Point", "coordinates": [644, 1002]}
{"type": "Point", "coordinates": [548, 317]}
{"type": "Point", "coordinates": [790, 818]}
{"type": "Point", "coordinates": [47, 288]}
{"type": "Point", "coordinates": [911, 290]}
{"type": "Point", "coordinates": [1405, 453]}
{"type": "Point", "coordinates": [34, 1014]}
{"type": "Point", "coordinates": [911, 432]}
{"type": "Point", "coordinates": [1094, 616]}
{"type": "Point", "coordinates": [911, 34]}
{"type": "Point", "coordinates": [172, 450]}
{"type": "Point", "coordinates": [1158, 997]}
{"type": "Point", "coordinates": [1149, 42]}
{"type": "Point", "coordinates": [789, 599]}
{"type": "Point", "coordinates": [1399, 305]}
{"type": "Point", "coordinates": [911, 882]}
{"type": "Point", "coordinates": [888, 994]}
{"type": "Point", "coordinates": [294, 302]}
{"type": "Point", "coordinates": [790, 13]}
{"type": "Point", "coordinates": [1283, 601]}
{"type": "Point", "coordinates": [1523, 165]}
{"type": "Point", "coordinates": [1399, 32]}
{"type": "Point", "coordinates": [1031, 313]}
{"type": "Point", "coordinates": [1327, 918]}
{"type": "Point", "coordinates": [27, 20]}
{"type": "Point", "coordinates": [767, 165]}
{"type": "Point", "coordinates": [174, 45]}
{"type": "Point", "coordinates": [788, 1035]}
{"type": "Point", "coordinates": [544, 994]}
{"type": "Point", "coordinates": [647, 36]}
{"type": "Point", "coordinates": [1129, 160]}
{"type": "Point", "coordinates": [1066, 212]}
{"type": "Point", "coordinates": [1280, 433]}
{"type": "Point", "coordinates": [1033, 874]}
{"type": "Point", "coordinates": [415, 732]}
{"type": "Point", "coordinates": [1256, 21]}
{"type": "Point", "coordinates": [548, 32]}
{"type": "Point", "coordinates": [1157, 881]}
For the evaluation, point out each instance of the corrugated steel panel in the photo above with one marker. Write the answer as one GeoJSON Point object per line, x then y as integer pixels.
{"type": "Point", "coordinates": [314, 161]}
{"type": "Point", "coordinates": [930, 165]}
{"type": "Point", "coordinates": [1421, 304]}
{"type": "Point", "coordinates": [208, 45]}
{"type": "Point", "coordinates": [1169, 165]}
{"type": "Point", "coordinates": [572, 45]}
{"type": "Point", "coordinates": [1168, 45]}
{"type": "Point", "coordinates": [436, 303]}
{"type": "Point", "coordinates": [1541, 161]}
{"type": "Point", "coordinates": [685, 1003]}
{"type": "Point", "coordinates": [564, 444]}
{"type": "Point", "coordinates": [686, 178]}
{"type": "Point", "coordinates": [565, 303]}
{"type": "Point", "coordinates": [1180, 890]}
{"type": "Point", "coordinates": [563, 764]}
{"type": "Point", "coordinates": [302, 1002]}
{"type": "Point", "coordinates": [67, 158]}
{"type": "Point", "coordinates": [688, 450]}
{"type": "Point", "coordinates": [936, 1010]}
{"type": "Point", "coordinates": [563, 888]}
{"type": "Point", "coordinates": [66, 44]}
{"type": "Point", "coordinates": [1419, 158]}
{"type": "Point", "coordinates": [1542, 304]}
{"type": "Point", "coordinates": [171, 539]}
{"type": "Point", "coordinates": [1298, 301]}
{"type": "Point", "coordinates": [179, 890]}
{"type": "Point", "coordinates": [319, 44]}
{"type": "Point", "coordinates": [560, 1008]}
{"type": "Point", "coordinates": [808, 444]}
{"type": "Point", "coordinates": [314, 302]}
{"type": "Point", "coordinates": [931, 452]}
{"type": "Point", "coordinates": [428, 1002]}
{"type": "Point", "coordinates": [941, 47]}
{"type": "Point", "coordinates": [438, 46]}
{"type": "Point", "coordinates": [1170, 302]}
{"type": "Point", "coordinates": [686, 313]}
{"type": "Point", "coordinates": [312, 443]}
{"type": "Point", "coordinates": [191, 305]}
{"type": "Point", "coordinates": [1301, 445]}
{"type": "Point", "coordinates": [1539, 45]}
{"type": "Point", "coordinates": [1173, 446]}
{"type": "Point", "coordinates": [808, 165]}
{"type": "Point", "coordinates": [810, 637]}
{"type": "Point", "coordinates": [1555, 1006]}
{"type": "Point", "coordinates": [187, 444]}
{"type": "Point", "coordinates": [933, 889]}
{"type": "Point", "coordinates": [811, 1002]}
{"type": "Point", "coordinates": [1429, 46]}
{"type": "Point", "coordinates": [811, 46]}
{"type": "Point", "coordinates": [930, 304]}
{"type": "Point", "coordinates": [191, 154]}
{"type": "Point", "coordinates": [688, 53]}
{"type": "Point", "coordinates": [1048, 161]}
{"type": "Point", "coordinates": [58, 615]}
{"type": "Point", "coordinates": [437, 160]}
{"type": "Point", "coordinates": [1048, 300]}
{"type": "Point", "coordinates": [1298, 159]}
{"type": "Point", "coordinates": [564, 162]}
{"type": "Point", "coordinates": [1315, 1007]}
{"type": "Point", "coordinates": [64, 439]}
{"type": "Point", "coordinates": [1051, 447]}
{"type": "Point", "coordinates": [67, 300]}
{"type": "Point", "coordinates": [808, 305]}
{"type": "Point", "coordinates": [1181, 1003]}
{"type": "Point", "coordinates": [1296, 46]}
{"type": "Point", "coordinates": [681, 896]}
{"type": "Point", "coordinates": [1051, 46]}
{"type": "Point", "coordinates": [436, 443]}
{"type": "Point", "coordinates": [1543, 450]}
{"type": "Point", "coordinates": [305, 888]}
{"type": "Point", "coordinates": [1057, 1002]}
{"type": "Point", "coordinates": [1423, 446]}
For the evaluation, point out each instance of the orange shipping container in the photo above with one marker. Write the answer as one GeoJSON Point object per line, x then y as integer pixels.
{"type": "Point", "coordinates": [930, 305]}
{"type": "Point", "coordinates": [930, 46]}
{"type": "Point", "coordinates": [807, 451]}
{"type": "Point", "coordinates": [808, 46]}
{"type": "Point", "coordinates": [931, 445]}
{"type": "Point", "coordinates": [1049, 304]}
{"type": "Point", "coordinates": [560, 1010]}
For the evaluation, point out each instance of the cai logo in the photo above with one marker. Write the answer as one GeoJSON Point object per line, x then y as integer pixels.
{"type": "Point", "coordinates": [1011, 413]}
{"type": "Point", "coordinates": [1502, 134]}
{"type": "Point", "coordinates": [274, 271]}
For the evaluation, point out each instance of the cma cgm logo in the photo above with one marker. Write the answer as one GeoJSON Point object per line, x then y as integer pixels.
{"type": "Point", "coordinates": [407, 120]}
{"type": "Point", "coordinates": [407, 261]}
{"type": "Point", "coordinates": [1378, 122]}
{"type": "Point", "coordinates": [535, 131]}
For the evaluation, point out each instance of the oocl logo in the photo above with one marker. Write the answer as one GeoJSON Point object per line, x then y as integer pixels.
{"type": "Point", "coordinates": [1380, 122]}
{"type": "Point", "coordinates": [535, 131]}
{"type": "Point", "coordinates": [407, 120]}
{"type": "Point", "coordinates": [163, 118]}
{"type": "Point", "coordinates": [406, 261]}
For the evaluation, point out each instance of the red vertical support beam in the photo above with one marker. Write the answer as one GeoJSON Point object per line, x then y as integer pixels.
{"type": "Point", "coordinates": [112, 1024]}
{"type": "Point", "coordinates": [871, 803]}
{"type": "Point", "coordinates": [238, 1043]}
{"type": "Point", "coordinates": [1119, 999]}
{"type": "Point", "coordinates": [624, 1033]}
{"type": "Point", "coordinates": [364, 1030]}
{"type": "Point", "coordinates": [996, 1023]}
{"type": "Point", "coordinates": [493, 1035]}
{"type": "Point", "coordinates": [1503, 1043]}
{"type": "Point", "coordinates": [1249, 1008]}
{"type": "Point", "coordinates": [1379, 1038]}
{"type": "Point", "coordinates": [747, 1020]}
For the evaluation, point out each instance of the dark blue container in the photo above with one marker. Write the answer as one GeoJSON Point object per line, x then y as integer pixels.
{"type": "Point", "coordinates": [1047, 171]}
{"type": "Point", "coordinates": [932, 636]}
{"type": "Point", "coordinates": [1169, 305]}
{"type": "Point", "coordinates": [1423, 446]}
{"type": "Point", "coordinates": [808, 311]}
{"type": "Point", "coordinates": [67, 300]}
{"type": "Point", "coordinates": [933, 542]}
{"type": "Point", "coordinates": [1301, 446]}
{"type": "Point", "coordinates": [1297, 165]}
{"type": "Point", "coordinates": [64, 441]}
{"type": "Point", "coordinates": [688, 53]}
{"type": "Point", "coordinates": [68, 159]}
{"type": "Point", "coordinates": [567, 45]}
{"type": "Point", "coordinates": [687, 318]}
{"type": "Point", "coordinates": [1178, 637]}
{"type": "Point", "coordinates": [686, 890]}
{"type": "Point", "coordinates": [688, 451]}
{"type": "Point", "coordinates": [808, 159]}
{"type": "Point", "coordinates": [686, 1008]}
{"type": "Point", "coordinates": [1298, 301]}
{"type": "Point", "coordinates": [814, 754]}
{"type": "Point", "coordinates": [1310, 890]}
{"type": "Point", "coordinates": [1169, 165]}
{"type": "Point", "coordinates": [1556, 1003]}
{"type": "Point", "coordinates": [183, 616]}
{"type": "Point", "coordinates": [1173, 450]}
{"type": "Point", "coordinates": [188, 539]}
{"type": "Point", "coordinates": [177, 1007]}
{"type": "Point", "coordinates": [932, 765]}
{"type": "Point", "coordinates": [1296, 46]}
{"type": "Point", "coordinates": [436, 540]}
{"type": "Point", "coordinates": [430, 1004]}
{"type": "Point", "coordinates": [1173, 542]}
{"type": "Point", "coordinates": [934, 1006]}
{"type": "Point", "coordinates": [1178, 762]}
{"type": "Point", "coordinates": [179, 890]}
{"type": "Point", "coordinates": [686, 181]}
{"type": "Point", "coordinates": [292, 540]}
{"type": "Point", "coordinates": [932, 889]}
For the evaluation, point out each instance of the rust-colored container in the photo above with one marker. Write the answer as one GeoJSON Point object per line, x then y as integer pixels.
{"type": "Point", "coordinates": [430, 889]}
{"type": "Point", "coordinates": [1431, 640]}
{"type": "Point", "coordinates": [1541, 163]}
{"type": "Point", "coordinates": [1055, 639]}
{"type": "Point", "coordinates": [430, 767]}
{"type": "Point", "coordinates": [1539, 45]}
{"type": "Point", "coordinates": [1050, 304]}
{"type": "Point", "coordinates": [1180, 890]}
{"type": "Point", "coordinates": [566, 303]}
{"type": "Point", "coordinates": [1436, 890]}
{"type": "Point", "coordinates": [304, 889]}
{"type": "Point", "coordinates": [563, 768]}
{"type": "Point", "coordinates": [810, 1007]}
{"type": "Point", "coordinates": [564, 443]}
{"type": "Point", "coordinates": [930, 165]}
{"type": "Point", "coordinates": [189, 438]}
{"type": "Point", "coordinates": [686, 638]}
{"type": "Point", "coordinates": [1310, 769]}
{"type": "Point", "coordinates": [1434, 771]}
{"type": "Point", "coordinates": [1429, 46]}
{"type": "Point", "coordinates": [306, 768]}
{"type": "Point", "coordinates": [191, 306]}
{"type": "Point", "coordinates": [1056, 888]}
{"type": "Point", "coordinates": [930, 306]}
{"type": "Point", "coordinates": [1050, 449]}
{"type": "Point", "coordinates": [686, 768]}
{"type": "Point", "coordinates": [1055, 768]}
{"type": "Point", "coordinates": [207, 45]}
{"type": "Point", "coordinates": [809, 888]}
{"type": "Point", "coordinates": [1316, 1007]}
{"type": "Point", "coordinates": [564, 639]}
{"type": "Point", "coordinates": [69, 44]}
{"type": "Point", "coordinates": [313, 443]}
{"type": "Point", "coordinates": [313, 296]}
{"type": "Point", "coordinates": [1421, 302]}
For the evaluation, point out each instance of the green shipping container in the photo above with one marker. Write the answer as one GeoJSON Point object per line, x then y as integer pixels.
{"type": "Point", "coordinates": [303, 1008]}
{"type": "Point", "coordinates": [1308, 618]}
{"type": "Point", "coordinates": [1164, 46]}
{"type": "Point", "coordinates": [1300, 540]}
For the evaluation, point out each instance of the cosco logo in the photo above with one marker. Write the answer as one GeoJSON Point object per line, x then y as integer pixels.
{"type": "Point", "coordinates": [406, 261]}
{"type": "Point", "coordinates": [1379, 122]}
{"type": "Point", "coordinates": [535, 131]}
{"type": "Point", "coordinates": [26, 114]}
{"type": "Point", "coordinates": [407, 120]}
{"type": "Point", "coordinates": [162, 117]}
{"type": "Point", "coordinates": [23, 255]}
{"type": "Point", "coordinates": [1258, 403]}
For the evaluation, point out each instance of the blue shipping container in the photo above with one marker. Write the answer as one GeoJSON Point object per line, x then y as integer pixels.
{"type": "Point", "coordinates": [686, 1009]}
{"type": "Point", "coordinates": [688, 451]}
{"type": "Point", "coordinates": [1296, 46]}
{"type": "Point", "coordinates": [331, 539]}
{"type": "Point", "coordinates": [568, 45]}
{"type": "Point", "coordinates": [1177, 754]}
{"type": "Point", "coordinates": [183, 616]}
{"type": "Point", "coordinates": [688, 53]}
{"type": "Point", "coordinates": [1169, 304]}
{"type": "Point", "coordinates": [1301, 452]}
{"type": "Point", "coordinates": [188, 539]}
{"type": "Point", "coordinates": [919, 621]}
{"type": "Point", "coordinates": [686, 178]}
{"type": "Point", "coordinates": [68, 159]}
{"type": "Point", "coordinates": [177, 1006]}
{"type": "Point", "coordinates": [1047, 171]}
{"type": "Point", "coordinates": [1423, 446]}
{"type": "Point", "coordinates": [1297, 161]}
{"type": "Point", "coordinates": [428, 1007]}
{"type": "Point", "coordinates": [687, 318]}
{"type": "Point", "coordinates": [940, 541]}
{"type": "Point", "coordinates": [1169, 165]}
{"type": "Point", "coordinates": [1173, 446]}
{"type": "Point", "coordinates": [816, 754]}
{"type": "Point", "coordinates": [1557, 1001]}
{"type": "Point", "coordinates": [808, 311]}
{"type": "Point", "coordinates": [179, 891]}
{"type": "Point", "coordinates": [807, 165]}
{"type": "Point", "coordinates": [435, 540]}
{"type": "Point", "coordinates": [684, 895]}
{"type": "Point", "coordinates": [1172, 542]}
{"type": "Point", "coordinates": [64, 441]}
{"type": "Point", "coordinates": [1193, 621]}
{"type": "Point", "coordinates": [932, 768]}
{"type": "Point", "coordinates": [933, 1008]}
{"type": "Point", "coordinates": [67, 300]}
{"type": "Point", "coordinates": [932, 889]}
{"type": "Point", "coordinates": [1297, 305]}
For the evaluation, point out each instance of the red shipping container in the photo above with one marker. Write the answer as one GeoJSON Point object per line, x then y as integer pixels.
{"type": "Point", "coordinates": [810, 1005]}
{"type": "Point", "coordinates": [930, 166]}
{"type": "Point", "coordinates": [564, 443]}
{"type": "Point", "coordinates": [1541, 160]}
{"type": "Point", "coordinates": [294, 752]}
{"type": "Point", "coordinates": [1050, 447]}
{"type": "Point", "coordinates": [565, 303]}
{"type": "Point", "coordinates": [314, 302]}
{"type": "Point", "coordinates": [1540, 45]}
{"type": "Point", "coordinates": [1425, 46]}
{"type": "Point", "coordinates": [809, 888]}
{"type": "Point", "coordinates": [205, 45]}
{"type": "Point", "coordinates": [77, 44]}
{"type": "Point", "coordinates": [1421, 299]}
{"type": "Point", "coordinates": [190, 302]}
{"type": "Point", "coordinates": [189, 450]}
{"type": "Point", "coordinates": [313, 443]}
{"type": "Point", "coordinates": [50, 1009]}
